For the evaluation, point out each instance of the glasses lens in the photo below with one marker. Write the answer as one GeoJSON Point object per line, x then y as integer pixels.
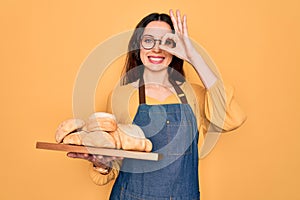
{"type": "Point", "coordinates": [170, 43]}
{"type": "Point", "coordinates": [147, 42]}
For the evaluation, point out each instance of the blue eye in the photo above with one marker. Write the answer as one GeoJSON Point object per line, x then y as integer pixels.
{"type": "Point", "coordinates": [148, 40]}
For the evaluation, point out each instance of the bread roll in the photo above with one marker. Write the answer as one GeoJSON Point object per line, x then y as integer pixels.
{"type": "Point", "coordinates": [115, 135]}
{"type": "Point", "coordinates": [125, 136]}
{"type": "Point", "coordinates": [67, 127]}
{"type": "Point", "coordinates": [74, 138]}
{"type": "Point", "coordinates": [102, 121]}
{"type": "Point", "coordinates": [91, 139]}
{"type": "Point", "coordinates": [99, 139]}
{"type": "Point", "coordinates": [132, 138]}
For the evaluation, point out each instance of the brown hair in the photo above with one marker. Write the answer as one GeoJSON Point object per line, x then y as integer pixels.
{"type": "Point", "coordinates": [133, 68]}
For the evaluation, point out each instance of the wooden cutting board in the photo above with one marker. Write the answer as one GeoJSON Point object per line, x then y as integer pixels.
{"type": "Point", "coordinates": [100, 151]}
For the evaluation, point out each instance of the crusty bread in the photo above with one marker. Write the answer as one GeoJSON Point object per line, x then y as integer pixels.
{"type": "Point", "coordinates": [103, 131]}
{"type": "Point", "coordinates": [91, 139]}
{"type": "Point", "coordinates": [115, 135]}
{"type": "Point", "coordinates": [99, 139]}
{"type": "Point", "coordinates": [132, 130]}
{"type": "Point", "coordinates": [132, 138]}
{"type": "Point", "coordinates": [103, 115]}
{"type": "Point", "coordinates": [74, 138]}
{"type": "Point", "coordinates": [102, 121]}
{"type": "Point", "coordinates": [67, 127]}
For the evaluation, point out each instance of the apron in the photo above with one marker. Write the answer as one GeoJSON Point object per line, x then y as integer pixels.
{"type": "Point", "coordinates": [172, 129]}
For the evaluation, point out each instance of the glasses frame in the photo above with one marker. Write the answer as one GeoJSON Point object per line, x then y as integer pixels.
{"type": "Point", "coordinates": [155, 40]}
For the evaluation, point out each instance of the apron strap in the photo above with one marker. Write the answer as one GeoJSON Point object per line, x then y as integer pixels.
{"type": "Point", "coordinates": [179, 92]}
{"type": "Point", "coordinates": [142, 96]}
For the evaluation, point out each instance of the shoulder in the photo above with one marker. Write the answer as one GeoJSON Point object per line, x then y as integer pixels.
{"type": "Point", "coordinates": [194, 89]}
{"type": "Point", "coordinates": [120, 101]}
{"type": "Point", "coordinates": [125, 89]}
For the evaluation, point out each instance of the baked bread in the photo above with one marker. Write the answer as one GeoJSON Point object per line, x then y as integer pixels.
{"type": "Point", "coordinates": [74, 138]}
{"type": "Point", "coordinates": [102, 130]}
{"type": "Point", "coordinates": [67, 127]}
{"type": "Point", "coordinates": [115, 135]}
{"type": "Point", "coordinates": [92, 139]}
{"type": "Point", "coordinates": [132, 138]}
{"type": "Point", "coordinates": [102, 121]}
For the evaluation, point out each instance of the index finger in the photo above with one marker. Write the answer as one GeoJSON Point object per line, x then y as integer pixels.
{"type": "Point", "coordinates": [170, 36]}
{"type": "Point", "coordinates": [78, 155]}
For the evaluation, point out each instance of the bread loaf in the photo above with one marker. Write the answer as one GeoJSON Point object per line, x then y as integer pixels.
{"type": "Point", "coordinates": [91, 139]}
{"type": "Point", "coordinates": [102, 130]}
{"type": "Point", "coordinates": [101, 121]}
{"type": "Point", "coordinates": [67, 127]}
{"type": "Point", "coordinates": [74, 138]}
{"type": "Point", "coordinates": [132, 138]}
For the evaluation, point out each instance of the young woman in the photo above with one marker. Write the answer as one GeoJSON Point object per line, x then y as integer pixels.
{"type": "Point", "coordinates": [171, 112]}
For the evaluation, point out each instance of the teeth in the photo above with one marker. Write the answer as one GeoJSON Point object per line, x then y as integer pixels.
{"type": "Point", "coordinates": [156, 59]}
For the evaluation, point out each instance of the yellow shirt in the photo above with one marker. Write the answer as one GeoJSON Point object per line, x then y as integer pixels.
{"type": "Point", "coordinates": [134, 102]}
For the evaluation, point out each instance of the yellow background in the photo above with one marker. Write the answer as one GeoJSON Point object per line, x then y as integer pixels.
{"type": "Point", "coordinates": [255, 44]}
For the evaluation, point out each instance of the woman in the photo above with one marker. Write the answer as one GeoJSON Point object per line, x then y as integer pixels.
{"type": "Point", "coordinates": [171, 112]}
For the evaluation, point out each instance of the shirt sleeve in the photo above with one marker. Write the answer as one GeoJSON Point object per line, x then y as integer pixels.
{"type": "Point", "coordinates": [100, 179]}
{"type": "Point", "coordinates": [219, 108]}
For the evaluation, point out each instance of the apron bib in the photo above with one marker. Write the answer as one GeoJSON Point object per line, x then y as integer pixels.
{"type": "Point", "coordinates": [172, 129]}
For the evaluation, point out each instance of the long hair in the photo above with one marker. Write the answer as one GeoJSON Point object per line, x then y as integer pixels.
{"type": "Point", "coordinates": [133, 68]}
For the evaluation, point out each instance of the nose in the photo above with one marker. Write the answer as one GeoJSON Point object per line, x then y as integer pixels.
{"type": "Point", "coordinates": [156, 45]}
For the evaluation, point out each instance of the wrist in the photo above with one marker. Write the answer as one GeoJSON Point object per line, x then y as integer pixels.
{"type": "Point", "coordinates": [104, 170]}
{"type": "Point", "coordinates": [192, 56]}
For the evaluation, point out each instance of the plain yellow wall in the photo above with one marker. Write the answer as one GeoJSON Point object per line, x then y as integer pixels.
{"type": "Point", "coordinates": [255, 44]}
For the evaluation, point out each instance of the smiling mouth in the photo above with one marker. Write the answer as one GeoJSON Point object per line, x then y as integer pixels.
{"type": "Point", "coordinates": [156, 59]}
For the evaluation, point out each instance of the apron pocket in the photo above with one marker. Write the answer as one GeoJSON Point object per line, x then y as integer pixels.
{"type": "Point", "coordinates": [180, 138]}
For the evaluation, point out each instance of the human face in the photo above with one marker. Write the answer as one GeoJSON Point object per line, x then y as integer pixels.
{"type": "Point", "coordinates": [156, 59]}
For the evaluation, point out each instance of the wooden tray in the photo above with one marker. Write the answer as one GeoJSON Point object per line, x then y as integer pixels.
{"type": "Point", "coordinates": [100, 151]}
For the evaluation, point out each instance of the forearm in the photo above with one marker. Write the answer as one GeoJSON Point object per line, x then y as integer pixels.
{"type": "Point", "coordinates": [206, 75]}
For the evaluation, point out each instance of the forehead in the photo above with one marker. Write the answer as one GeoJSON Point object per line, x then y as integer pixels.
{"type": "Point", "coordinates": [157, 29]}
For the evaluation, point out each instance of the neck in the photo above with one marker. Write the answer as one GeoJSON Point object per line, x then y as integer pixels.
{"type": "Point", "coordinates": [156, 77]}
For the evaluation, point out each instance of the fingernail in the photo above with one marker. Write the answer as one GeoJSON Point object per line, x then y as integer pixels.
{"type": "Point", "coordinates": [70, 155]}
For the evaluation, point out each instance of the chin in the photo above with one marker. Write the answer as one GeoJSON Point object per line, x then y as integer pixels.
{"type": "Point", "coordinates": [155, 67]}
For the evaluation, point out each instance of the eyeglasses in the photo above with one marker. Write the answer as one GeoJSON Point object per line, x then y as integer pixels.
{"type": "Point", "coordinates": [148, 42]}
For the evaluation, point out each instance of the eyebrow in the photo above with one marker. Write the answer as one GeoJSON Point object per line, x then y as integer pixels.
{"type": "Point", "coordinates": [148, 35]}
{"type": "Point", "coordinates": [151, 36]}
